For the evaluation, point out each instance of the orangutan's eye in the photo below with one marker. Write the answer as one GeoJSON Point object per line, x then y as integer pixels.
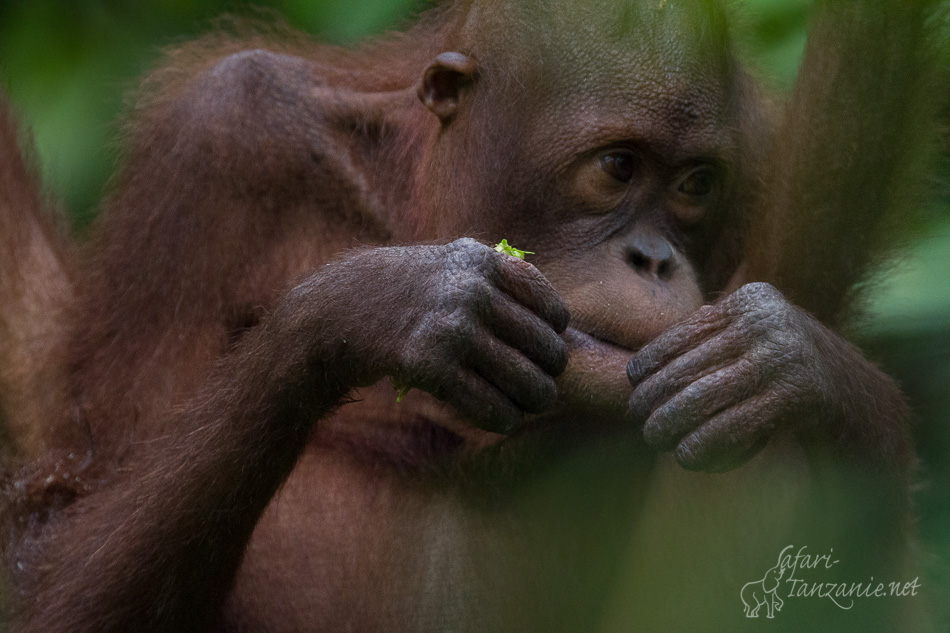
{"type": "Point", "coordinates": [619, 165]}
{"type": "Point", "coordinates": [699, 183]}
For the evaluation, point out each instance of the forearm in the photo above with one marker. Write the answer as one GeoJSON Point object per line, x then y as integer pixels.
{"type": "Point", "coordinates": [858, 54]}
{"type": "Point", "coordinates": [868, 420]}
{"type": "Point", "coordinates": [125, 558]}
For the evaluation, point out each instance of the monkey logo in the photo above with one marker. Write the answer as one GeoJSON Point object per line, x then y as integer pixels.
{"type": "Point", "coordinates": [763, 592]}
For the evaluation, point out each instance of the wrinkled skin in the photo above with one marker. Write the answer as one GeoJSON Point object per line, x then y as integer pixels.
{"type": "Point", "coordinates": [715, 387]}
{"type": "Point", "coordinates": [480, 331]}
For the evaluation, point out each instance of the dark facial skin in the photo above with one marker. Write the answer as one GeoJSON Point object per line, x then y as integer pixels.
{"type": "Point", "coordinates": [222, 449]}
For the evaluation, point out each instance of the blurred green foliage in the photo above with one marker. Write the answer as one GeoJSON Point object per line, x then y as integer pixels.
{"type": "Point", "coordinates": [67, 65]}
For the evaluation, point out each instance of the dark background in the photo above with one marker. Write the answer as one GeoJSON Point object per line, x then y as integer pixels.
{"type": "Point", "coordinates": [68, 64]}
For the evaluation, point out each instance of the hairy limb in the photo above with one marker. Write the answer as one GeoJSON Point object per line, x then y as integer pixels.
{"type": "Point", "coordinates": [239, 179]}
{"type": "Point", "coordinates": [164, 540]}
{"type": "Point", "coordinates": [864, 102]}
{"type": "Point", "coordinates": [714, 388]}
{"type": "Point", "coordinates": [126, 558]}
{"type": "Point", "coordinates": [236, 180]}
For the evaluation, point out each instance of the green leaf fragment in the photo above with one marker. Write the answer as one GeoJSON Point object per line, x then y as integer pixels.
{"type": "Point", "coordinates": [401, 389]}
{"type": "Point", "coordinates": [507, 249]}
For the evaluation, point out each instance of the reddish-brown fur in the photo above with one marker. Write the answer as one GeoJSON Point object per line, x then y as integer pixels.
{"type": "Point", "coordinates": [174, 476]}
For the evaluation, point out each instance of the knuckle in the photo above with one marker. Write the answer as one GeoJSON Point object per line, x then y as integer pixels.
{"type": "Point", "coordinates": [467, 253]}
{"type": "Point", "coordinates": [706, 313]}
{"type": "Point", "coordinates": [755, 322]}
{"type": "Point", "coordinates": [759, 291]}
{"type": "Point", "coordinates": [463, 244]}
{"type": "Point", "coordinates": [758, 303]}
{"type": "Point", "coordinates": [694, 393]}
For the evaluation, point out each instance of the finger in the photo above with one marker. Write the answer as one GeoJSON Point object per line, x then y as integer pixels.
{"type": "Point", "coordinates": [479, 402]}
{"type": "Point", "coordinates": [526, 285]}
{"type": "Point", "coordinates": [698, 402]}
{"type": "Point", "coordinates": [730, 438]}
{"type": "Point", "coordinates": [669, 380]}
{"type": "Point", "coordinates": [527, 333]}
{"type": "Point", "coordinates": [707, 322]}
{"type": "Point", "coordinates": [513, 374]}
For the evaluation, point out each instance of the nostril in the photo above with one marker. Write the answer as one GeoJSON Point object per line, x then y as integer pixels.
{"type": "Point", "coordinates": [638, 260]}
{"type": "Point", "coordinates": [651, 256]}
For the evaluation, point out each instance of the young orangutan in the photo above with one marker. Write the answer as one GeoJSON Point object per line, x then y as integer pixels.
{"type": "Point", "coordinates": [203, 394]}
